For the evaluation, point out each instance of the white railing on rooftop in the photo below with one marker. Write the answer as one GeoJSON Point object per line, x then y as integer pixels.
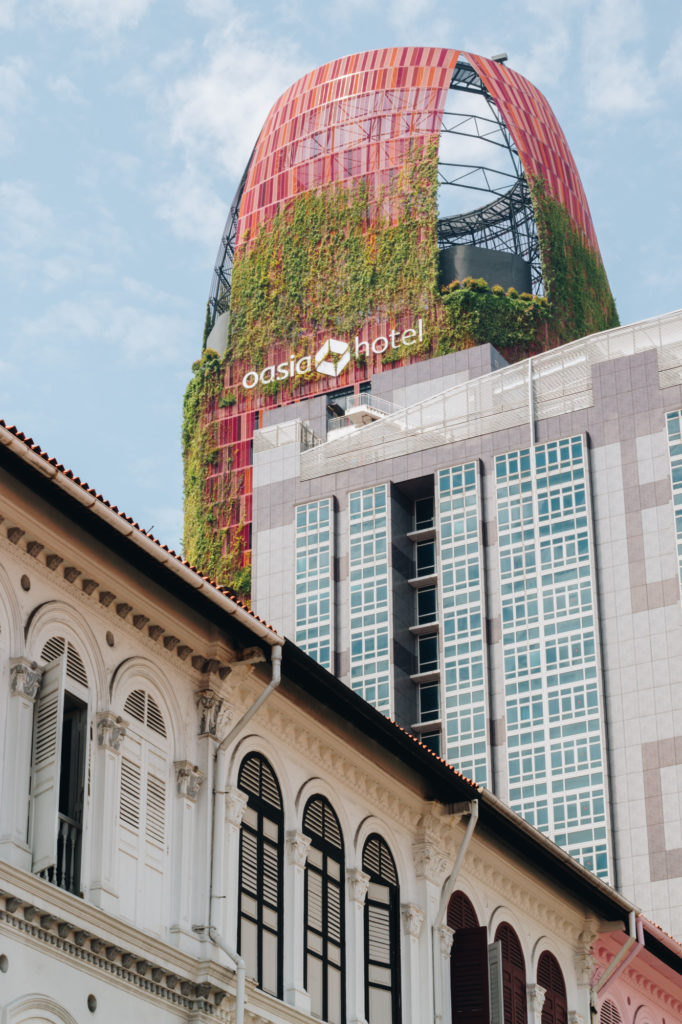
{"type": "Point", "coordinates": [366, 400]}
{"type": "Point", "coordinates": [549, 384]}
{"type": "Point", "coordinates": [292, 432]}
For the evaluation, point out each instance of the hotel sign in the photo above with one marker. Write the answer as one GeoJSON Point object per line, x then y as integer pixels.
{"type": "Point", "coordinates": [334, 357]}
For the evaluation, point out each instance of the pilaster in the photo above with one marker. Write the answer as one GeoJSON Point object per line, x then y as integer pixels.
{"type": "Point", "coordinates": [412, 918]}
{"type": "Point", "coordinates": [24, 680]}
{"type": "Point", "coordinates": [294, 885]}
{"type": "Point", "coordinates": [235, 803]}
{"type": "Point", "coordinates": [110, 733]}
{"type": "Point", "coordinates": [188, 781]}
{"type": "Point", "coordinates": [357, 884]}
{"type": "Point", "coordinates": [535, 995]}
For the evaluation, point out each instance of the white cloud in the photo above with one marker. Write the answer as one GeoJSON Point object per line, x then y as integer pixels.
{"type": "Point", "coordinates": [64, 89]}
{"type": "Point", "coordinates": [7, 13]}
{"type": "Point", "coordinates": [141, 336]}
{"type": "Point", "coordinates": [216, 114]}
{"type": "Point", "coordinates": [670, 67]}
{"type": "Point", "coordinates": [101, 17]}
{"type": "Point", "coordinates": [14, 92]}
{"type": "Point", "coordinates": [24, 219]}
{"type": "Point", "coordinates": [618, 80]}
{"type": "Point", "coordinates": [191, 207]}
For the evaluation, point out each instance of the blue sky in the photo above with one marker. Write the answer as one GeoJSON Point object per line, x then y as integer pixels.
{"type": "Point", "coordinates": [125, 125]}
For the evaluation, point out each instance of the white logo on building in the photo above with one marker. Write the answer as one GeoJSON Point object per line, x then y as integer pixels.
{"type": "Point", "coordinates": [333, 357]}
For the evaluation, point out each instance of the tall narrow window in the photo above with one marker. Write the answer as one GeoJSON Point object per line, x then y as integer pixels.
{"type": "Point", "coordinates": [513, 976]}
{"type": "Point", "coordinates": [324, 938]}
{"type": "Point", "coordinates": [58, 770]}
{"type": "Point", "coordinates": [382, 936]}
{"type": "Point", "coordinates": [143, 840]}
{"type": "Point", "coordinates": [554, 1009]}
{"type": "Point", "coordinates": [260, 875]}
{"type": "Point", "coordinates": [468, 963]}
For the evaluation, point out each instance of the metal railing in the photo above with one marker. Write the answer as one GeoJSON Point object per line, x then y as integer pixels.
{"type": "Point", "coordinates": [66, 872]}
{"type": "Point", "coordinates": [549, 384]}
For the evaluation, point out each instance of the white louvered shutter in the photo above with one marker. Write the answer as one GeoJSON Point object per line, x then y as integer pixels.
{"type": "Point", "coordinates": [143, 853]}
{"type": "Point", "coordinates": [47, 744]}
{"type": "Point", "coordinates": [495, 983]}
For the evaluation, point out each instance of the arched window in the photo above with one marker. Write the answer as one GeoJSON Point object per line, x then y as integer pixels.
{"type": "Point", "coordinates": [555, 1008]}
{"type": "Point", "coordinates": [324, 937]}
{"type": "Point", "coordinates": [382, 934]}
{"type": "Point", "coordinates": [609, 1013]}
{"type": "Point", "coordinates": [468, 963]}
{"type": "Point", "coordinates": [513, 976]}
{"type": "Point", "coordinates": [143, 814]}
{"type": "Point", "coordinates": [60, 741]}
{"type": "Point", "coordinates": [260, 874]}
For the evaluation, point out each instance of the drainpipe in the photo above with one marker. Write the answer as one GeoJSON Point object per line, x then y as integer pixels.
{"type": "Point", "coordinates": [446, 893]}
{"type": "Point", "coordinates": [625, 955]}
{"type": "Point", "coordinates": [218, 820]}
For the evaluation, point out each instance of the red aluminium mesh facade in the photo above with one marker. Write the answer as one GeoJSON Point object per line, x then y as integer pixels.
{"type": "Point", "coordinates": [358, 118]}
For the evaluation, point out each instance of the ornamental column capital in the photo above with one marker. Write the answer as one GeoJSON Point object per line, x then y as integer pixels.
{"type": "Point", "coordinates": [24, 678]}
{"type": "Point", "coordinates": [235, 802]}
{"type": "Point", "coordinates": [297, 848]}
{"type": "Point", "coordinates": [111, 731]}
{"type": "Point", "coordinates": [188, 778]}
{"type": "Point", "coordinates": [358, 884]}
{"type": "Point", "coordinates": [413, 919]}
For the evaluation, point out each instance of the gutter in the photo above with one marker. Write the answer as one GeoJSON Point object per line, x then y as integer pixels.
{"type": "Point", "coordinates": [116, 521]}
{"type": "Point", "coordinates": [625, 955]}
{"type": "Point", "coordinates": [446, 893]}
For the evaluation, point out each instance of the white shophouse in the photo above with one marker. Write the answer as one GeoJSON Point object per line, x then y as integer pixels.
{"type": "Point", "coordinates": [198, 822]}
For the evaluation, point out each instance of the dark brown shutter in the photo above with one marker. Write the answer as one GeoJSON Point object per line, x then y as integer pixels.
{"type": "Point", "coordinates": [513, 976]}
{"type": "Point", "coordinates": [555, 1009]}
{"type": "Point", "coordinates": [469, 976]}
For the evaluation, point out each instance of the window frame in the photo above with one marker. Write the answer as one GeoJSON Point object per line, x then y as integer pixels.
{"type": "Point", "coordinates": [264, 811]}
{"type": "Point", "coordinates": [335, 853]}
{"type": "Point", "coordinates": [394, 932]}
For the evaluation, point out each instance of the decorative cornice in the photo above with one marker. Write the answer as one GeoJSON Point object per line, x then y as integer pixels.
{"type": "Point", "coordinates": [297, 848]}
{"type": "Point", "coordinates": [521, 890]}
{"type": "Point", "coordinates": [24, 678]}
{"type": "Point", "coordinates": [335, 761]}
{"type": "Point", "coordinates": [358, 884]}
{"type": "Point", "coordinates": [188, 778]}
{"type": "Point", "coordinates": [235, 802]}
{"type": "Point", "coordinates": [638, 979]}
{"type": "Point", "coordinates": [80, 583]}
{"type": "Point", "coordinates": [111, 731]}
{"type": "Point", "coordinates": [413, 919]}
{"type": "Point", "coordinates": [101, 955]}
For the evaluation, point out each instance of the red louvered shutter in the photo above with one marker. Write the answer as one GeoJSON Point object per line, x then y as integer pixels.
{"type": "Point", "coordinates": [469, 976]}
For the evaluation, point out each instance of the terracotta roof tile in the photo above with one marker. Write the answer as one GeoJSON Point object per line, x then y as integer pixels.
{"type": "Point", "coordinates": [30, 443]}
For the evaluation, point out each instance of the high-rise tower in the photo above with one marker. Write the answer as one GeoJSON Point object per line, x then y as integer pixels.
{"type": "Point", "coordinates": [399, 204]}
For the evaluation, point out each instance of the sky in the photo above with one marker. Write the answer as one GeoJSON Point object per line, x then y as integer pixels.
{"type": "Point", "coordinates": [125, 126]}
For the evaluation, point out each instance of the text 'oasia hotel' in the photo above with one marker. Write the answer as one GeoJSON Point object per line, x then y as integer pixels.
{"type": "Point", "coordinates": [394, 437]}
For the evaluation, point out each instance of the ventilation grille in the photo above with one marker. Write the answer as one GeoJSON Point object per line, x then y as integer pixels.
{"type": "Point", "coordinates": [321, 822]}
{"type": "Point", "coordinates": [609, 1014]}
{"type": "Point", "coordinates": [257, 777]}
{"type": "Point", "coordinates": [144, 709]}
{"type": "Point", "coordinates": [75, 669]}
{"type": "Point", "coordinates": [378, 862]}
